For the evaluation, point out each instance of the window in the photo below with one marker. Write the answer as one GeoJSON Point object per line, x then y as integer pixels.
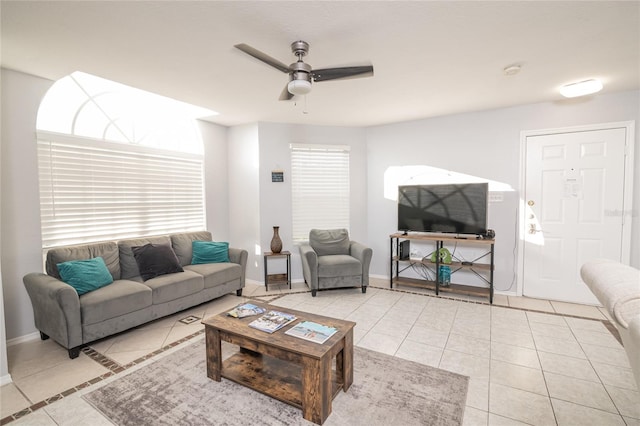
{"type": "Point", "coordinates": [116, 162]}
{"type": "Point", "coordinates": [319, 187]}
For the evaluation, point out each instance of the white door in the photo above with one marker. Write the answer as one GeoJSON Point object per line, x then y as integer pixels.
{"type": "Point", "coordinates": [574, 209]}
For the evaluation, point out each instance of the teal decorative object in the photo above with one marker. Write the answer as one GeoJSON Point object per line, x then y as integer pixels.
{"type": "Point", "coordinates": [444, 275]}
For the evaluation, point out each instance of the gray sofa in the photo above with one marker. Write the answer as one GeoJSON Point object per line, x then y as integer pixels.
{"type": "Point", "coordinates": [332, 260]}
{"type": "Point", "coordinates": [617, 287]}
{"type": "Point", "coordinates": [129, 301]}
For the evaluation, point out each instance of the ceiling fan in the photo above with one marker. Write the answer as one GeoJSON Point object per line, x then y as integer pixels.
{"type": "Point", "coordinates": [301, 75]}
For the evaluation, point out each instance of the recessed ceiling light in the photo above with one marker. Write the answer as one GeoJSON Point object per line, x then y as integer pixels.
{"type": "Point", "coordinates": [582, 88]}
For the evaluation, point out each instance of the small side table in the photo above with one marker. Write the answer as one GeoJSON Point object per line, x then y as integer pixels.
{"type": "Point", "coordinates": [277, 278]}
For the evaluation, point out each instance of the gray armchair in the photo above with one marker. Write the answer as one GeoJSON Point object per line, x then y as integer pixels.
{"type": "Point", "coordinates": [331, 260]}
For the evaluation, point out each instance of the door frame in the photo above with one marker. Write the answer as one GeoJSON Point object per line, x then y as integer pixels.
{"type": "Point", "coordinates": [627, 198]}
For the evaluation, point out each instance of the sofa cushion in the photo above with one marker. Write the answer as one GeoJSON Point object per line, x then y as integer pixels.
{"type": "Point", "coordinates": [329, 241]}
{"type": "Point", "coordinates": [182, 244]}
{"type": "Point", "coordinates": [119, 298]}
{"type": "Point", "coordinates": [166, 288]}
{"type": "Point", "coordinates": [338, 265]}
{"type": "Point", "coordinates": [128, 264]}
{"type": "Point", "coordinates": [209, 252]}
{"type": "Point", "coordinates": [216, 274]}
{"type": "Point", "coordinates": [107, 251]}
{"type": "Point", "coordinates": [85, 275]}
{"type": "Point", "coordinates": [154, 260]}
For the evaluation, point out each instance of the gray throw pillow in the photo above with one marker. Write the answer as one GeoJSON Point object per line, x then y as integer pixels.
{"type": "Point", "coordinates": [156, 259]}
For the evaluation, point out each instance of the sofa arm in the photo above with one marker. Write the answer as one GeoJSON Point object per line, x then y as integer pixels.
{"type": "Point", "coordinates": [56, 309]}
{"type": "Point", "coordinates": [631, 343]}
{"type": "Point", "coordinates": [616, 286]}
{"type": "Point", "coordinates": [363, 254]}
{"type": "Point", "coordinates": [239, 256]}
{"type": "Point", "coordinates": [309, 260]}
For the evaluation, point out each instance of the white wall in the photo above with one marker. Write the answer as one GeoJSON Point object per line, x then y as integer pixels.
{"type": "Point", "coordinates": [216, 177]}
{"type": "Point", "coordinates": [20, 219]}
{"type": "Point", "coordinates": [275, 198]}
{"type": "Point", "coordinates": [484, 144]}
{"type": "Point", "coordinates": [244, 194]}
{"type": "Point", "coordinates": [5, 377]}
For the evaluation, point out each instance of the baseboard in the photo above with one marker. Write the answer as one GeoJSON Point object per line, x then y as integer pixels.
{"type": "Point", "coordinates": [26, 338]}
{"type": "Point", "coordinates": [504, 293]}
{"type": "Point", "coordinates": [381, 277]}
{"type": "Point", "coordinates": [5, 380]}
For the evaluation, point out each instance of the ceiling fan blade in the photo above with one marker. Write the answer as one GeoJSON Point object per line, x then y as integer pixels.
{"type": "Point", "coordinates": [342, 72]}
{"type": "Point", "coordinates": [286, 95]}
{"type": "Point", "coordinates": [262, 57]}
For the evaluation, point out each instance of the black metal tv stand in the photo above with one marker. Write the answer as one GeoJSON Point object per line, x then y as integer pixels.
{"type": "Point", "coordinates": [479, 266]}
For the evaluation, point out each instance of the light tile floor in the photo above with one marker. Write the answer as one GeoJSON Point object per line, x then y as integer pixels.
{"type": "Point", "coordinates": [530, 361]}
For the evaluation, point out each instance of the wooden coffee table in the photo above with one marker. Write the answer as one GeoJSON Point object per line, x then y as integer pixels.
{"type": "Point", "coordinates": [287, 368]}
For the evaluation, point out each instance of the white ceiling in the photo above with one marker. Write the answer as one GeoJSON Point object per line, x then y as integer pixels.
{"type": "Point", "coordinates": [430, 58]}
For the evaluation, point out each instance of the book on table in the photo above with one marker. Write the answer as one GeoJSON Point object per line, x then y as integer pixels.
{"type": "Point", "coordinates": [272, 321]}
{"type": "Point", "coordinates": [312, 331]}
{"type": "Point", "coordinates": [245, 310]}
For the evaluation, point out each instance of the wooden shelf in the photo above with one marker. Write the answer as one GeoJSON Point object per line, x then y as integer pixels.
{"type": "Point", "coordinates": [452, 265]}
{"type": "Point", "coordinates": [277, 279]}
{"type": "Point", "coordinates": [271, 376]}
{"type": "Point", "coordinates": [482, 270]}
{"type": "Point", "coordinates": [452, 288]}
{"type": "Point", "coordinates": [452, 238]}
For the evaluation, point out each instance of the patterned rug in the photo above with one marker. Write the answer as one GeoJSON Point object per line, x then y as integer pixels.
{"type": "Point", "coordinates": [175, 390]}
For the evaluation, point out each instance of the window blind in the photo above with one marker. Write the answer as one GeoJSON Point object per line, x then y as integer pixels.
{"type": "Point", "coordinates": [320, 188]}
{"type": "Point", "coordinates": [94, 191]}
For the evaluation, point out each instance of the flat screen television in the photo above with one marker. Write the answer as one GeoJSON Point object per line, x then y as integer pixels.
{"type": "Point", "coordinates": [454, 208]}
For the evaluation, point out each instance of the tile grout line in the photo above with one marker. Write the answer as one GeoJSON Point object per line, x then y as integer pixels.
{"type": "Point", "coordinates": [115, 368]}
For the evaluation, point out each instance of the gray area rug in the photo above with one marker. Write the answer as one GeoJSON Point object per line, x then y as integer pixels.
{"type": "Point", "coordinates": [175, 390]}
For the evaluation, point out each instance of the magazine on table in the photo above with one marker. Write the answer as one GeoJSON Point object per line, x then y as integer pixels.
{"type": "Point", "coordinates": [272, 321]}
{"type": "Point", "coordinates": [312, 331]}
{"type": "Point", "coordinates": [245, 310]}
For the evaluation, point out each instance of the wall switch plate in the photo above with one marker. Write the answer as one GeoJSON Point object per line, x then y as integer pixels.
{"type": "Point", "coordinates": [496, 197]}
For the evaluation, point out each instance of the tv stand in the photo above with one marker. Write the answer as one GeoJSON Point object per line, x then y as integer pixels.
{"type": "Point", "coordinates": [483, 269]}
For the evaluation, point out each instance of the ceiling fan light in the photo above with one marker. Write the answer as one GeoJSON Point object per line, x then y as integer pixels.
{"type": "Point", "coordinates": [299, 87]}
{"type": "Point", "coordinates": [582, 88]}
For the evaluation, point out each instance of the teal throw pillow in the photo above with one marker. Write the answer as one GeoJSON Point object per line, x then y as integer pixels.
{"type": "Point", "coordinates": [209, 252]}
{"type": "Point", "coordinates": [85, 275]}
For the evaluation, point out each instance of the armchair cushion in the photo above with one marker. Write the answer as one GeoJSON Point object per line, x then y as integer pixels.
{"type": "Point", "coordinates": [329, 241]}
{"type": "Point", "coordinates": [339, 265]}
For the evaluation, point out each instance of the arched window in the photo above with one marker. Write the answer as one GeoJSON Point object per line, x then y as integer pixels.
{"type": "Point", "coordinates": [116, 162]}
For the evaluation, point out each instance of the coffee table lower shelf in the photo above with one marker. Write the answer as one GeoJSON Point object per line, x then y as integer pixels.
{"type": "Point", "coordinates": [271, 376]}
